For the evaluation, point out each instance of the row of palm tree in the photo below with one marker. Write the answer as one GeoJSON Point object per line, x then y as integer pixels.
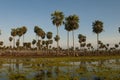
{"type": "Point", "coordinates": [71, 23]}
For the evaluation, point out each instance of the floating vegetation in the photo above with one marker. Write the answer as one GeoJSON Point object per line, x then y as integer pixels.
{"type": "Point", "coordinates": [64, 68]}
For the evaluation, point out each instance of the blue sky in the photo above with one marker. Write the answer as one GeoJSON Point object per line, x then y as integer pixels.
{"type": "Point", "coordinates": [17, 13]}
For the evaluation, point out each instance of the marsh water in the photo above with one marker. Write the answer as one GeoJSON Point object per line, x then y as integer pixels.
{"type": "Point", "coordinates": [51, 69]}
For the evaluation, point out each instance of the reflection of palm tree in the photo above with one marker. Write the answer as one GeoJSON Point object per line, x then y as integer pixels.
{"type": "Point", "coordinates": [97, 28]}
{"type": "Point", "coordinates": [57, 19]}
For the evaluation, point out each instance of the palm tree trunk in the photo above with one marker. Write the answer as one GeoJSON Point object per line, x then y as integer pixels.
{"type": "Point", "coordinates": [68, 42]}
{"type": "Point", "coordinates": [13, 42]}
{"type": "Point", "coordinates": [73, 42]}
{"type": "Point", "coordinates": [23, 39]}
{"type": "Point", "coordinates": [58, 40]}
{"type": "Point", "coordinates": [19, 41]}
{"type": "Point", "coordinates": [97, 41]}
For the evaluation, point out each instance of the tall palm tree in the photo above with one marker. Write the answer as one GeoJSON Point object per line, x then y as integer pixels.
{"type": "Point", "coordinates": [73, 23]}
{"type": "Point", "coordinates": [97, 28]}
{"type": "Point", "coordinates": [68, 29]}
{"type": "Point", "coordinates": [57, 20]}
{"type": "Point", "coordinates": [13, 33]}
{"type": "Point", "coordinates": [24, 30]}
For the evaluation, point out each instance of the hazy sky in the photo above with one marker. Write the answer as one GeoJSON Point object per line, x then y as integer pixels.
{"type": "Point", "coordinates": [17, 13]}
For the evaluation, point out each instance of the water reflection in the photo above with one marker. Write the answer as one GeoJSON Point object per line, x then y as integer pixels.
{"type": "Point", "coordinates": [35, 69]}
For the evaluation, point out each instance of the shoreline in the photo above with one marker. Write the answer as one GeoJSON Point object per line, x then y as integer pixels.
{"type": "Point", "coordinates": [31, 53]}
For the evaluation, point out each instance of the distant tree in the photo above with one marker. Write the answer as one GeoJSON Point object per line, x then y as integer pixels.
{"type": "Point", "coordinates": [1, 43]}
{"type": "Point", "coordinates": [24, 30]}
{"type": "Point", "coordinates": [119, 29]}
{"type": "Point", "coordinates": [97, 28]}
{"type": "Point", "coordinates": [49, 36]}
{"type": "Point", "coordinates": [40, 33]}
{"type": "Point", "coordinates": [19, 33]}
{"type": "Point", "coordinates": [33, 42]}
{"type": "Point", "coordinates": [17, 43]}
{"type": "Point", "coordinates": [82, 39]}
{"type": "Point", "coordinates": [10, 39]}
{"type": "Point", "coordinates": [13, 33]}
{"type": "Point", "coordinates": [56, 38]}
{"type": "Point", "coordinates": [89, 45]}
{"type": "Point", "coordinates": [116, 46]}
{"type": "Point", "coordinates": [57, 20]}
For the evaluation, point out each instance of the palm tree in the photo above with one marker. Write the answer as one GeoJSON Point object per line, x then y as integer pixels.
{"type": "Point", "coordinates": [40, 33]}
{"type": "Point", "coordinates": [81, 38]}
{"type": "Point", "coordinates": [37, 30]}
{"type": "Point", "coordinates": [97, 28]}
{"type": "Point", "coordinates": [0, 32]}
{"type": "Point", "coordinates": [119, 29]}
{"type": "Point", "coordinates": [24, 30]}
{"type": "Point", "coordinates": [33, 42]}
{"type": "Point", "coordinates": [57, 20]}
{"type": "Point", "coordinates": [18, 43]}
{"type": "Point", "coordinates": [57, 38]}
{"type": "Point", "coordinates": [68, 29]}
{"type": "Point", "coordinates": [73, 21]}
{"type": "Point", "coordinates": [1, 43]}
{"type": "Point", "coordinates": [19, 33]}
{"type": "Point", "coordinates": [49, 36]}
{"type": "Point", "coordinates": [10, 39]}
{"type": "Point", "coordinates": [13, 33]}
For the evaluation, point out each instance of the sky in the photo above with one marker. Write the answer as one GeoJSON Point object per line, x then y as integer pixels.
{"type": "Point", "coordinates": [29, 13]}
